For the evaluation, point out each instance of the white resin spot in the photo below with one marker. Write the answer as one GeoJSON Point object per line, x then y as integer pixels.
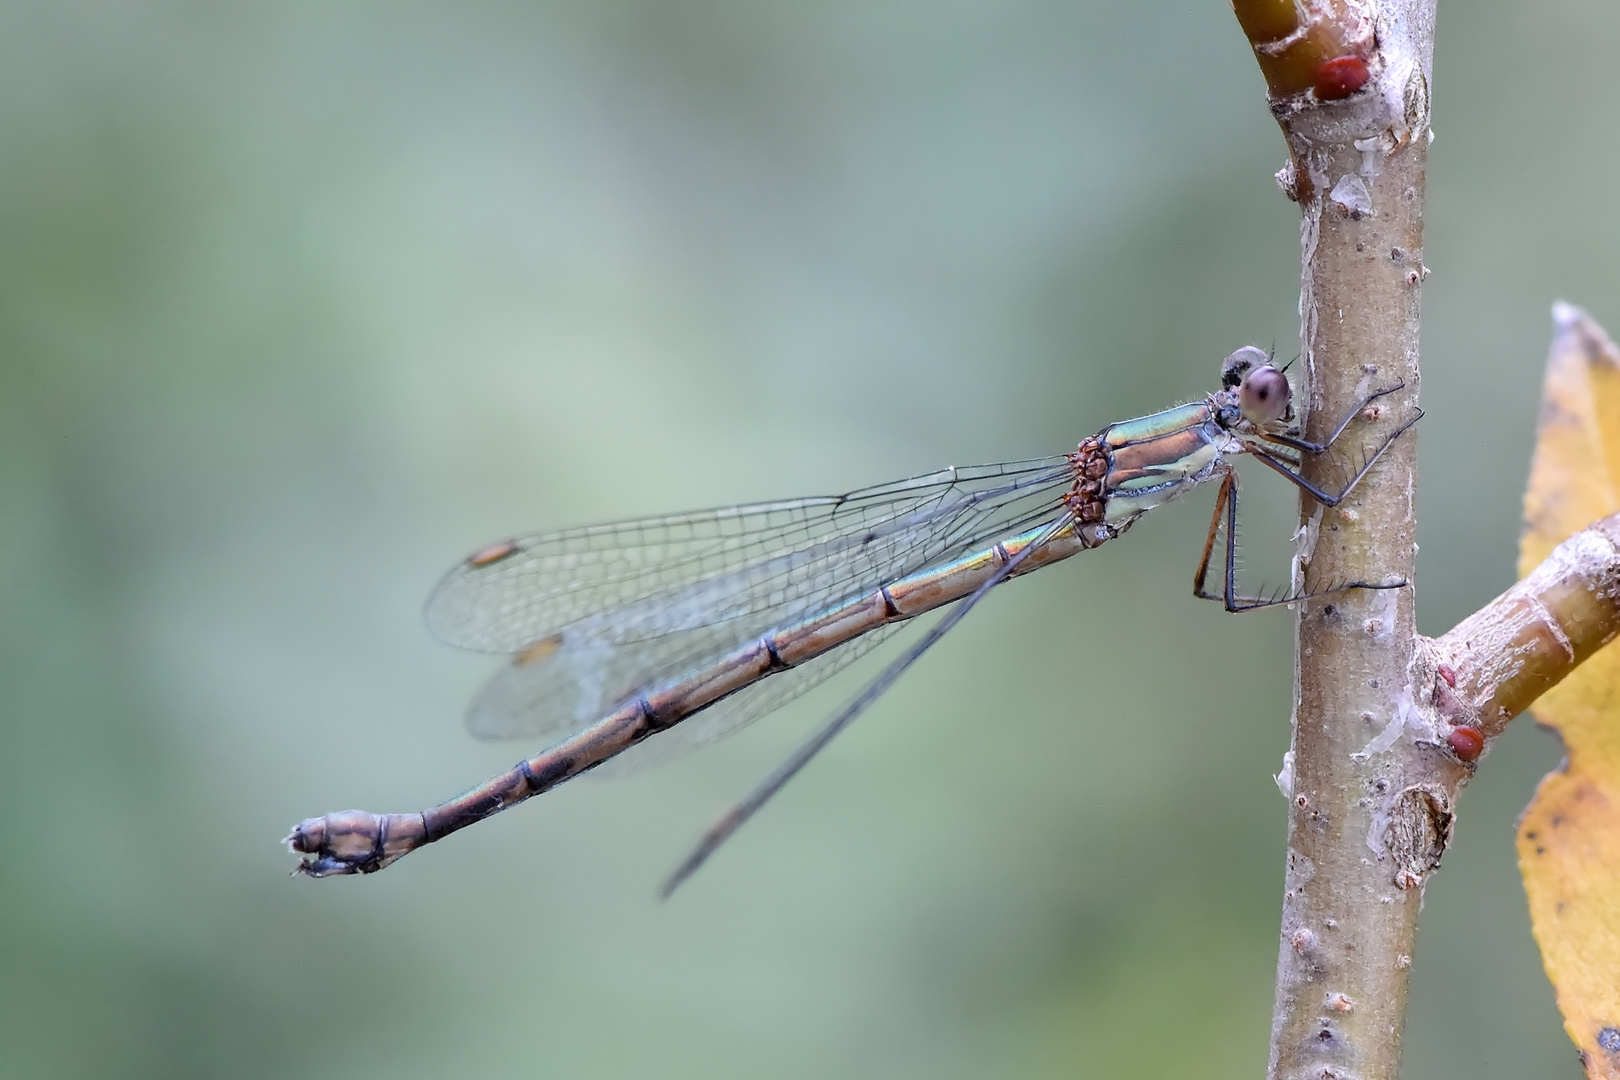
{"type": "Point", "coordinates": [1351, 193]}
{"type": "Point", "coordinates": [1285, 778]}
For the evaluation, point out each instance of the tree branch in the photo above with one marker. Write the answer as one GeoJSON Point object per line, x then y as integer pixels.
{"type": "Point", "coordinates": [1494, 663]}
{"type": "Point", "coordinates": [1369, 812]}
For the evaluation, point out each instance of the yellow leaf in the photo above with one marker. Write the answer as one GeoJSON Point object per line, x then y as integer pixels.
{"type": "Point", "coordinates": [1569, 836]}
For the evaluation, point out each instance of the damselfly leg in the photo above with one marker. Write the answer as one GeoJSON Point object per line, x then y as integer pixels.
{"type": "Point", "coordinates": [1226, 501]}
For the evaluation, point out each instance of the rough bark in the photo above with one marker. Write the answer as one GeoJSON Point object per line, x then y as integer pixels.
{"type": "Point", "coordinates": [1493, 664]}
{"type": "Point", "coordinates": [1370, 810]}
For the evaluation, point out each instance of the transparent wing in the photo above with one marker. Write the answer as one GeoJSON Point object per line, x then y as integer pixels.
{"type": "Point", "coordinates": [644, 578]}
{"type": "Point", "coordinates": [598, 614]}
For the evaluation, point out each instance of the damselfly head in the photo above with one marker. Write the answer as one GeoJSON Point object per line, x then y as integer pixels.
{"type": "Point", "coordinates": [1262, 391]}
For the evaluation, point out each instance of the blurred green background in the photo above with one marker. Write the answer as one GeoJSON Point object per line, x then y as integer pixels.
{"type": "Point", "coordinates": [301, 302]}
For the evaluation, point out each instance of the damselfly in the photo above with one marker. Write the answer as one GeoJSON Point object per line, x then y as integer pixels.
{"type": "Point", "coordinates": [631, 638]}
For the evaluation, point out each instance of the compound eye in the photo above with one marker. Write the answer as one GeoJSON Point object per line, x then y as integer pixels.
{"type": "Point", "coordinates": [1240, 363]}
{"type": "Point", "coordinates": [1265, 395]}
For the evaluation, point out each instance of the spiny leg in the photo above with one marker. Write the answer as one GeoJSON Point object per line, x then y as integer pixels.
{"type": "Point", "coordinates": [1227, 499]}
{"type": "Point", "coordinates": [1223, 501]}
{"type": "Point", "coordinates": [1288, 469]}
{"type": "Point", "coordinates": [1318, 448]}
{"type": "Point", "coordinates": [1317, 493]}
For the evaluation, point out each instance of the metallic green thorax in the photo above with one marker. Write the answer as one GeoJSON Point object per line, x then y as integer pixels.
{"type": "Point", "coordinates": [1153, 459]}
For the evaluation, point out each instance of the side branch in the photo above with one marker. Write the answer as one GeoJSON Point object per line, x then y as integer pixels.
{"type": "Point", "coordinates": [1494, 663]}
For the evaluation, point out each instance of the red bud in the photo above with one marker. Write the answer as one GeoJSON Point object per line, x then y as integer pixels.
{"type": "Point", "coordinates": [1340, 77]}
